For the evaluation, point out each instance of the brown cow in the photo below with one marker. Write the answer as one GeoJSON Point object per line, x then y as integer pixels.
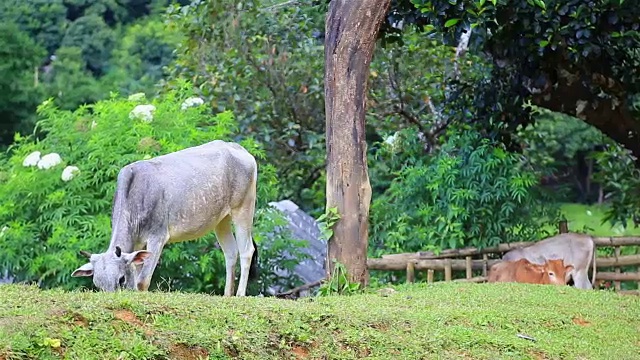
{"type": "Point", "coordinates": [523, 271]}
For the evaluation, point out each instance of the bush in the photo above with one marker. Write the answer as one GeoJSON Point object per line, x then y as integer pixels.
{"type": "Point", "coordinates": [472, 192]}
{"type": "Point", "coordinates": [48, 220]}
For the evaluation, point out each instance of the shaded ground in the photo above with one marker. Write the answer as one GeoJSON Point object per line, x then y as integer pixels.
{"type": "Point", "coordinates": [444, 320]}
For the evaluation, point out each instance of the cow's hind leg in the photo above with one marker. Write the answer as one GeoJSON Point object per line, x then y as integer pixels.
{"type": "Point", "coordinates": [230, 250]}
{"type": "Point", "coordinates": [155, 245]}
{"type": "Point", "coordinates": [243, 221]}
{"type": "Point", "coordinates": [581, 280]}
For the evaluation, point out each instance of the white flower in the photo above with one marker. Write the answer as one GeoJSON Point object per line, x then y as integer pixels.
{"type": "Point", "coordinates": [49, 161]}
{"type": "Point", "coordinates": [136, 97]}
{"type": "Point", "coordinates": [142, 112]}
{"type": "Point", "coordinates": [68, 173]}
{"type": "Point", "coordinates": [31, 159]}
{"type": "Point", "coordinates": [4, 229]}
{"type": "Point", "coordinates": [192, 101]}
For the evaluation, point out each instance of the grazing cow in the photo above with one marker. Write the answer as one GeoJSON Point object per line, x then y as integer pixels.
{"type": "Point", "coordinates": [522, 271]}
{"type": "Point", "coordinates": [574, 249]}
{"type": "Point", "coordinates": [177, 197]}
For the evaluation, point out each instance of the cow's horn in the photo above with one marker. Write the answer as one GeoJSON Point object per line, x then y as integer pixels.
{"type": "Point", "coordinates": [85, 254]}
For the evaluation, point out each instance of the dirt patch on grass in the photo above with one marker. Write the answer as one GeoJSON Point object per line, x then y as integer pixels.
{"type": "Point", "coordinates": [185, 352]}
{"type": "Point", "coordinates": [300, 352]}
{"type": "Point", "coordinates": [76, 318]}
{"type": "Point", "coordinates": [72, 316]}
{"type": "Point", "coordinates": [580, 321]}
{"type": "Point", "coordinates": [127, 316]}
{"type": "Point", "coordinates": [539, 355]}
{"type": "Point", "coordinates": [381, 326]}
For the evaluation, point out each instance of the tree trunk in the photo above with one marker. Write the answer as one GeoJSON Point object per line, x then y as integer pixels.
{"type": "Point", "coordinates": [351, 31]}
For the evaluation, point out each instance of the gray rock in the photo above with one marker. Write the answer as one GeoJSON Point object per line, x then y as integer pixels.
{"type": "Point", "coordinates": [303, 227]}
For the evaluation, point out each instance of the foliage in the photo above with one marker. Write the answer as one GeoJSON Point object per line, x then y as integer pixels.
{"type": "Point", "coordinates": [620, 176]}
{"type": "Point", "coordinates": [265, 63]}
{"type": "Point", "coordinates": [560, 147]}
{"type": "Point", "coordinates": [19, 55]}
{"type": "Point", "coordinates": [44, 21]}
{"type": "Point", "coordinates": [471, 193]}
{"type": "Point", "coordinates": [141, 56]}
{"type": "Point", "coordinates": [533, 44]}
{"type": "Point", "coordinates": [279, 253]}
{"type": "Point", "coordinates": [555, 140]}
{"type": "Point", "coordinates": [123, 47]}
{"type": "Point", "coordinates": [409, 90]}
{"type": "Point", "coordinates": [410, 84]}
{"type": "Point", "coordinates": [446, 320]}
{"type": "Point", "coordinates": [339, 283]}
{"type": "Point", "coordinates": [50, 220]}
{"type": "Point", "coordinates": [70, 81]}
{"type": "Point", "coordinates": [326, 222]}
{"type": "Point", "coordinates": [91, 34]}
{"type": "Point", "coordinates": [590, 218]}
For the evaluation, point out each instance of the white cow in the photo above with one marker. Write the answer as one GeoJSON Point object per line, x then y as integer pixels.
{"type": "Point", "coordinates": [178, 197]}
{"type": "Point", "coordinates": [577, 250]}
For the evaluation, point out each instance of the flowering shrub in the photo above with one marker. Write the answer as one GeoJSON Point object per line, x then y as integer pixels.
{"type": "Point", "coordinates": [54, 205]}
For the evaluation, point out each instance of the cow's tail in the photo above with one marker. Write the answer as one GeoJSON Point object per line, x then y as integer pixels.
{"type": "Point", "coordinates": [253, 269]}
{"type": "Point", "coordinates": [593, 278]}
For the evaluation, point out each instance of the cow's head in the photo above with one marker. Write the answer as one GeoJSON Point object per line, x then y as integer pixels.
{"type": "Point", "coordinates": [557, 271]}
{"type": "Point", "coordinates": [112, 270]}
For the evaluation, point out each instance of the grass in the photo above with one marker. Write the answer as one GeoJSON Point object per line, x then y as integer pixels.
{"type": "Point", "coordinates": [580, 217]}
{"type": "Point", "coordinates": [437, 321]}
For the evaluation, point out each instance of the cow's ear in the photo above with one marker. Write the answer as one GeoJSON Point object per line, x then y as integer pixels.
{"type": "Point", "coordinates": [138, 257]}
{"type": "Point", "coordinates": [84, 270]}
{"type": "Point", "coordinates": [568, 268]}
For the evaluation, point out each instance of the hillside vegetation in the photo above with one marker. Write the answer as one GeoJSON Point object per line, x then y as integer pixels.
{"type": "Point", "coordinates": [444, 320]}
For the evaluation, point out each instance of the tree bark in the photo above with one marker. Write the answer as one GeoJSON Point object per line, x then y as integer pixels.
{"type": "Point", "coordinates": [351, 30]}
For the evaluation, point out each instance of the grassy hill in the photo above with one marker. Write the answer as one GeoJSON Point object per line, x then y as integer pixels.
{"type": "Point", "coordinates": [438, 321]}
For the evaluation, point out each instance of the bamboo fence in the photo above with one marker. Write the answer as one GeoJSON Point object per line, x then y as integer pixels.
{"type": "Point", "coordinates": [452, 260]}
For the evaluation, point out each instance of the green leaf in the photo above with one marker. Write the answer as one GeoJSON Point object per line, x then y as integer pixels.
{"type": "Point", "coordinates": [451, 22]}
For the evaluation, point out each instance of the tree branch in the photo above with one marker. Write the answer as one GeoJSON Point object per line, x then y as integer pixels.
{"type": "Point", "coordinates": [461, 50]}
{"type": "Point", "coordinates": [441, 122]}
{"type": "Point", "coordinates": [608, 112]}
{"type": "Point", "coordinates": [295, 291]}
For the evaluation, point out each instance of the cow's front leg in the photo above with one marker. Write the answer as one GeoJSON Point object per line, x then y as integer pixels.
{"type": "Point", "coordinates": [154, 246]}
{"type": "Point", "coordinates": [230, 250]}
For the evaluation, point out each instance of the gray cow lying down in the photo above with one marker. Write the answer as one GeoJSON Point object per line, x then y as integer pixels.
{"type": "Point", "coordinates": [577, 250]}
{"type": "Point", "coordinates": [178, 197]}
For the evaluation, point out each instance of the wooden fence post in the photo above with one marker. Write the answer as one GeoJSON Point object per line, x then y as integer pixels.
{"type": "Point", "coordinates": [430, 276]}
{"type": "Point", "coordinates": [617, 268]}
{"type": "Point", "coordinates": [485, 258]}
{"type": "Point", "coordinates": [447, 269]}
{"type": "Point", "coordinates": [411, 275]}
{"type": "Point", "coordinates": [563, 228]}
{"type": "Point", "coordinates": [469, 267]}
